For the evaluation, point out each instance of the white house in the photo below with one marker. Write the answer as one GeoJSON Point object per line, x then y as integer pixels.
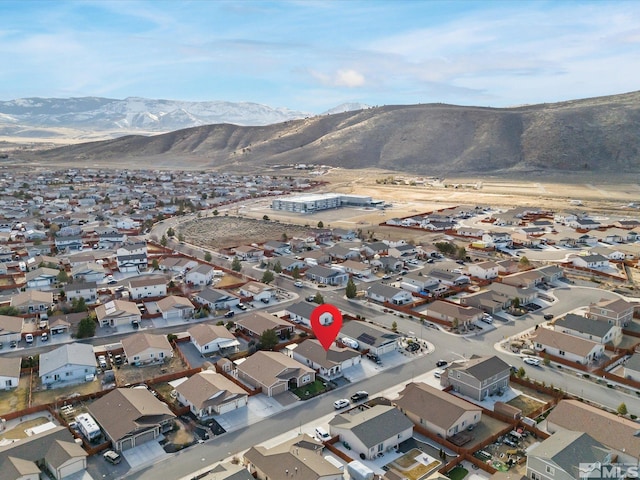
{"type": "Point", "coordinates": [328, 363]}
{"type": "Point", "coordinates": [594, 262]}
{"type": "Point", "coordinates": [175, 307]}
{"type": "Point", "coordinates": [588, 328]}
{"type": "Point", "coordinates": [9, 372]}
{"type": "Point", "coordinates": [373, 431]}
{"type": "Point", "coordinates": [209, 339]}
{"type": "Point", "coordinates": [484, 270]}
{"type": "Point", "coordinates": [117, 312]}
{"type": "Point", "coordinates": [216, 299]}
{"type": "Point", "coordinates": [147, 287]}
{"type": "Point", "coordinates": [259, 291]}
{"type": "Point", "coordinates": [201, 275]}
{"type": "Point", "coordinates": [145, 348]}
{"type": "Point", "coordinates": [386, 293]}
{"type": "Point", "coordinates": [88, 272]}
{"type": "Point", "coordinates": [569, 347]}
{"type": "Point", "coordinates": [86, 290]}
{"type": "Point", "coordinates": [70, 363]}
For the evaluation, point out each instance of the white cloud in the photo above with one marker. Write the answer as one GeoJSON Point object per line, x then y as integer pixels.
{"type": "Point", "coordinates": [349, 78]}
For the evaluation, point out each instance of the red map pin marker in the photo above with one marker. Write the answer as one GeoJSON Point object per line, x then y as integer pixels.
{"type": "Point", "coordinates": [326, 331]}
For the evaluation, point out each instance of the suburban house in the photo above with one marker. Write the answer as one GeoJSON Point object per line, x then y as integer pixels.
{"type": "Point", "coordinates": [614, 311]}
{"type": "Point", "coordinates": [484, 270]}
{"type": "Point", "coordinates": [216, 299]}
{"type": "Point", "coordinates": [175, 307]}
{"type": "Point", "coordinates": [249, 253]}
{"type": "Point", "coordinates": [370, 337]}
{"type": "Point", "coordinates": [569, 347]}
{"type": "Point", "coordinates": [274, 372]}
{"type": "Point", "coordinates": [275, 247]}
{"type": "Point", "coordinates": [86, 290]}
{"type": "Point", "coordinates": [452, 313]}
{"type": "Point", "coordinates": [593, 262]}
{"type": "Point", "coordinates": [616, 432]}
{"type": "Point", "coordinates": [497, 239]}
{"type": "Point", "coordinates": [550, 273]}
{"type": "Point", "coordinates": [256, 323]}
{"type": "Point", "coordinates": [88, 272]}
{"type": "Point", "coordinates": [374, 248]}
{"type": "Point", "coordinates": [287, 264]}
{"type": "Point", "coordinates": [478, 378]}
{"type": "Point", "coordinates": [588, 328]}
{"type": "Point", "coordinates": [53, 451]}
{"type": "Point", "coordinates": [300, 312]}
{"type": "Point", "coordinates": [386, 293]}
{"type": "Point", "coordinates": [560, 457]}
{"type": "Point", "coordinates": [10, 328]}
{"type": "Point", "coordinates": [209, 339]}
{"type": "Point", "coordinates": [148, 287]}
{"type": "Point", "coordinates": [115, 313]}
{"type": "Point", "coordinates": [133, 263]}
{"type": "Point", "coordinates": [339, 252]}
{"type": "Point", "coordinates": [328, 363]}
{"type": "Point", "coordinates": [259, 291]}
{"type": "Point", "coordinates": [450, 279]}
{"type": "Point", "coordinates": [487, 300]}
{"type": "Point", "coordinates": [373, 431]}
{"type": "Point", "coordinates": [326, 276]}
{"type": "Point", "coordinates": [32, 301]}
{"type": "Point", "coordinates": [131, 416]}
{"type": "Point", "coordinates": [42, 277]}
{"type": "Point", "coordinates": [526, 279]}
{"type": "Point", "coordinates": [9, 372]}
{"type": "Point", "coordinates": [524, 295]}
{"type": "Point", "coordinates": [299, 457]}
{"type": "Point", "coordinates": [177, 265]}
{"type": "Point", "coordinates": [420, 283]}
{"type": "Point", "coordinates": [201, 275]}
{"type": "Point", "coordinates": [387, 263]}
{"type": "Point", "coordinates": [144, 348]}
{"type": "Point", "coordinates": [68, 364]}
{"type": "Point", "coordinates": [437, 411]}
{"type": "Point", "coordinates": [208, 393]}
{"type": "Point", "coordinates": [357, 269]}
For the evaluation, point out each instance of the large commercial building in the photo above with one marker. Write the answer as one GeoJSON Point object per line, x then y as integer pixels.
{"type": "Point", "coordinates": [323, 201]}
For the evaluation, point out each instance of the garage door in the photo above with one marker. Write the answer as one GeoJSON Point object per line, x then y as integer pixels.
{"type": "Point", "coordinates": [126, 444]}
{"type": "Point", "coordinates": [145, 437]}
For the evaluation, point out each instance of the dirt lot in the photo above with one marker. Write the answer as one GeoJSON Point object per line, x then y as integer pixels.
{"type": "Point", "coordinates": [16, 399]}
{"type": "Point", "coordinates": [526, 404]}
{"type": "Point", "coordinates": [130, 374]}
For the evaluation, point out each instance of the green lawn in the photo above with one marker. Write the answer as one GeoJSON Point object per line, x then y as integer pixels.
{"type": "Point", "coordinates": [310, 390]}
{"type": "Point", "coordinates": [457, 473]}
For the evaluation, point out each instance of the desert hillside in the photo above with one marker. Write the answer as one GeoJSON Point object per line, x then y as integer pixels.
{"type": "Point", "coordinates": [598, 135]}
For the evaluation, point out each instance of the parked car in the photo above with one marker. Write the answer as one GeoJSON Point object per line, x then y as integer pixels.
{"type": "Point", "coordinates": [374, 358]}
{"type": "Point", "coordinates": [548, 316]}
{"type": "Point", "coordinates": [338, 404]}
{"type": "Point", "coordinates": [386, 277]}
{"type": "Point", "coordinates": [298, 284]}
{"type": "Point", "coordinates": [28, 338]}
{"type": "Point", "coordinates": [13, 344]}
{"type": "Point", "coordinates": [412, 347]}
{"type": "Point", "coordinates": [44, 337]}
{"type": "Point", "coordinates": [112, 457]}
{"type": "Point", "coordinates": [441, 363]}
{"type": "Point", "coordinates": [438, 373]}
{"type": "Point", "coordinates": [486, 318]}
{"type": "Point", "coordinates": [532, 361]}
{"type": "Point", "coordinates": [322, 434]}
{"type": "Point", "coordinates": [360, 395]}
{"type": "Point", "coordinates": [102, 361]}
{"type": "Point", "coordinates": [242, 306]}
{"type": "Point", "coordinates": [310, 298]}
{"type": "Point", "coordinates": [229, 314]}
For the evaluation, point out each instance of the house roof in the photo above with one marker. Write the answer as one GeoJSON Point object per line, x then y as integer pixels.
{"type": "Point", "coordinates": [32, 448]}
{"type": "Point", "coordinates": [228, 471]}
{"type": "Point", "coordinates": [214, 295]}
{"type": "Point", "coordinates": [258, 322]}
{"type": "Point", "coordinates": [147, 281]}
{"type": "Point", "coordinates": [41, 272]}
{"type": "Point", "coordinates": [302, 309]}
{"type": "Point", "coordinates": [609, 429]}
{"type": "Point", "coordinates": [563, 341]}
{"type": "Point", "coordinates": [139, 342]}
{"type": "Point", "coordinates": [386, 291]}
{"type": "Point", "coordinates": [202, 269]}
{"type": "Point", "coordinates": [173, 301]}
{"type": "Point", "coordinates": [299, 455]}
{"type": "Point", "coordinates": [617, 305]}
{"type": "Point", "coordinates": [569, 449]}
{"type": "Point", "coordinates": [69, 354]}
{"type": "Point", "coordinates": [116, 308]}
{"type": "Point", "coordinates": [31, 296]}
{"type": "Point", "coordinates": [61, 452]}
{"type": "Point", "coordinates": [454, 310]}
{"type": "Point", "coordinates": [312, 350]}
{"type": "Point", "coordinates": [209, 388]}
{"type": "Point", "coordinates": [368, 334]}
{"type": "Point", "coordinates": [269, 368]}
{"type": "Point", "coordinates": [633, 363]}
{"type": "Point", "coordinates": [483, 368]}
{"type": "Point", "coordinates": [125, 410]}
{"type": "Point", "coordinates": [583, 325]}
{"type": "Point", "coordinates": [10, 324]}
{"type": "Point", "coordinates": [256, 288]}
{"type": "Point", "coordinates": [10, 367]}
{"type": "Point", "coordinates": [204, 333]}
{"type": "Point", "coordinates": [433, 405]}
{"type": "Point", "coordinates": [374, 425]}
{"type": "Point", "coordinates": [72, 287]}
{"type": "Point", "coordinates": [323, 272]}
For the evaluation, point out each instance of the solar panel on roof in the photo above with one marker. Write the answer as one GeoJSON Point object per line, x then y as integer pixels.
{"type": "Point", "coordinates": [366, 338]}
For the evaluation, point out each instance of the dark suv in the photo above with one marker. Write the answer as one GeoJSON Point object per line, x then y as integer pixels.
{"type": "Point", "coordinates": [361, 395]}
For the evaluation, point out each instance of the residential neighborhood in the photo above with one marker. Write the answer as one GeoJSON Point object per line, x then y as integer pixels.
{"type": "Point", "coordinates": [496, 348]}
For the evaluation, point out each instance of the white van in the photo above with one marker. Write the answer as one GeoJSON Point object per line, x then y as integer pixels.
{"type": "Point", "coordinates": [322, 434]}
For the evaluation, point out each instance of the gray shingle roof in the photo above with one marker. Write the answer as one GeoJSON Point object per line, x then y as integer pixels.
{"type": "Point", "coordinates": [583, 325]}
{"type": "Point", "coordinates": [374, 425]}
{"type": "Point", "coordinates": [70, 354]}
{"type": "Point", "coordinates": [485, 367]}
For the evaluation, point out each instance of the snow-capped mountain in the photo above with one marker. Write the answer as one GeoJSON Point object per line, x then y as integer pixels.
{"type": "Point", "coordinates": [347, 107]}
{"type": "Point", "coordinates": [131, 114]}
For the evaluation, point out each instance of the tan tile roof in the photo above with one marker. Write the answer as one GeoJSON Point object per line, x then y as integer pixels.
{"type": "Point", "coordinates": [609, 429]}
{"type": "Point", "coordinates": [116, 308]}
{"type": "Point", "coordinates": [563, 341]}
{"type": "Point", "coordinates": [315, 352]}
{"type": "Point", "coordinates": [10, 324]}
{"type": "Point", "coordinates": [258, 322]}
{"type": "Point", "coordinates": [36, 296]}
{"type": "Point", "coordinates": [433, 405]}
{"type": "Point", "coordinates": [617, 305]}
{"type": "Point", "coordinates": [125, 410]}
{"type": "Point", "coordinates": [139, 342]}
{"type": "Point", "coordinates": [452, 310]}
{"type": "Point", "coordinates": [209, 388]}
{"type": "Point", "coordinates": [204, 333]}
{"type": "Point", "coordinates": [269, 368]}
{"type": "Point", "coordinates": [147, 282]}
{"type": "Point", "coordinates": [172, 301]}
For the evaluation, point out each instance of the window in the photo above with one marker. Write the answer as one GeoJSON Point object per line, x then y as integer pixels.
{"type": "Point", "coordinates": [380, 447]}
{"type": "Point", "coordinates": [551, 470]}
{"type": "Point", "coordinates": [561, 352]}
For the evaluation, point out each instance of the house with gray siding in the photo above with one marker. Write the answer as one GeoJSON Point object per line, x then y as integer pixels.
{"type": "Point", "coordinates": [479, 377]}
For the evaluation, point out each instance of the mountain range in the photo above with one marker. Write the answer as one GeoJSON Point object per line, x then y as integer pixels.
{"type": "Point", "coordinates": [595, 135]}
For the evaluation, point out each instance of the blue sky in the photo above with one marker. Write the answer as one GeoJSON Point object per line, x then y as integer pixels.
{"type": "Point", "coordinates": [312, 55]}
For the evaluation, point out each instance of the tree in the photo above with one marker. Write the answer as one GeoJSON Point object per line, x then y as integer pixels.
{"type": "Point", "coordinates": [521, 372]}
{"type": "Point", "coordinates": [155, 265]}
{"type": "Point", "coordinates": [320, 224]}
{"type": "Point", "coordinates": [622, 409]}
{"type": "Point", "coordinates": [295, 273]}
{"type": "Point", "coordinates": [207, 257]}
{"type": "Point", "coordinates": [277, 267]}
{"type": "Point", "coordinates": [319, 299]}
{"type": "Point", "coordinates": [180, 237]}
{"type": "Point", "coordinates": [163, 240]}
{"type": "Point", "coordinates": [546, 360]}
{"type": "Point", "coordinates": [268, 340]}
{"type": "Point", "coordinates": [268, 277]}
{"type": "Point", "coordinates": [284, 237]}
{"type": "Point", "coordinates": [9, 311]}
{"type": "Point", "coordinates": [266, 218]}
{"type": "Point", "coordinates": [394, 326]}
{"type": "Point", "coordinates": [455, 323]}
{"type": "Point", "coordinates": [78, 304]}
{"type": "Point", "coordinates": [515, 303]}
{"type": "Point", "coordinates": [236, 265]}
{"type": "Point", "coordinates": [215, 213]}
{"type": "Point", "coordinates": [171, 232]}
{"type": "Point", "coordinates": [53, 229]}
{"type": "Point", "coordinates": [524, 262]}
{"type": "Point", "coordinates": [86, 327]}
{"type": "Point", "coordinates": [351, 290]}
{"type": "Point", "coordinates": [461, 253]}
{"type": "Point", "coordinates": [62, 277]}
